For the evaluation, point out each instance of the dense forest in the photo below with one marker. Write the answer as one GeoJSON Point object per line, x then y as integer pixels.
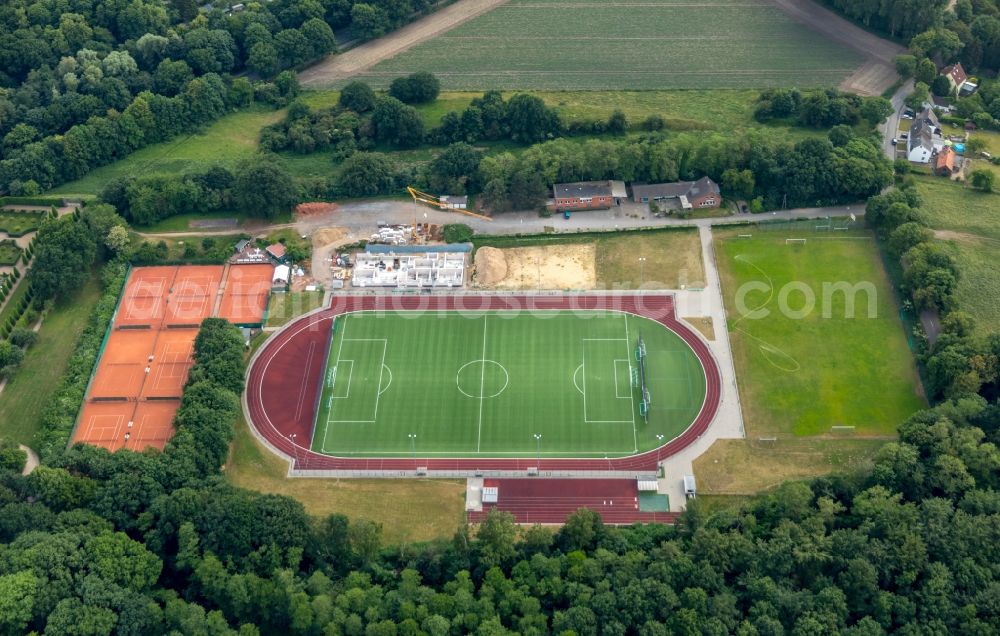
{"type": "Point", "coordinates": [84, 83]}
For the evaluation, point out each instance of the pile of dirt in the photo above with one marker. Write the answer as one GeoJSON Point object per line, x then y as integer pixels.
{"type": "Point", "coordinates": [491, 266]}
{"type": "Point", "coordinates": [549, 267]}
{"type": "Point", "coordinates": [328, 235]}
{"type": "Point", "coordinates": [313, 208]}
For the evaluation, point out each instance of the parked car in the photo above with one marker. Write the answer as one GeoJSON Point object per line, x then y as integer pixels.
{"type": "Point", "coordinates": [904, 135]}
{"type": "Point", "coordinates": [894, 141]}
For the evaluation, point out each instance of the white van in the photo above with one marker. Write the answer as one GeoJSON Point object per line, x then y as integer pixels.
{"type": "Point", "coordinates": [689, 488]}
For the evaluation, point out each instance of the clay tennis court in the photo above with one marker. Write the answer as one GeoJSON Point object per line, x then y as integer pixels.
{"type": "Point", "coordinates": [140, 377]}
{"type": "Point", "coordinates": [247, 289]}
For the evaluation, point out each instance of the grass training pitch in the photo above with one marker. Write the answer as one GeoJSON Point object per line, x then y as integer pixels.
{"type": "Point", "coordinates": [802, 375]}
{"type": "Point", "coordinates": [484, 384]}
{"type": "Point", "coordinates": [635, 44]}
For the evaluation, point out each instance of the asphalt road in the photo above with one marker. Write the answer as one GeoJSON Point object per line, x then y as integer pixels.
{"type": "Point", "coordinates": [891, 126]}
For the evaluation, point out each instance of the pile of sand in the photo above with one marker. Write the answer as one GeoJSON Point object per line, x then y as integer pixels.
{"type": "Point", "coordinates": [313, 208]}
{"type": "Point", "coordinates": [491, 266]}
{"type": "Point", "coordinates": [549, 267]}
{"type": "Point", "coordinates": [328, 235]}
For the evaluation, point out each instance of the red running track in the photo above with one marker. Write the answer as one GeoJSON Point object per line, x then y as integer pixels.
{"type": "Point", "coordinates": [552, 500]}
{"type": "Point", "coordinates": [283, 382]}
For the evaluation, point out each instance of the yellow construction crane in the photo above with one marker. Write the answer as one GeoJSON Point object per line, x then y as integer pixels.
{"type": "Point", "coordinates": [431, 200]}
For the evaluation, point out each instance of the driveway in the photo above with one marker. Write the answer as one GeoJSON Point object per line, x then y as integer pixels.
{"type": "Point", "coordinates": [891, 125]}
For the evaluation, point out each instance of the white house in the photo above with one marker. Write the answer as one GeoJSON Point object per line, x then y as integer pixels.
{"type": "Point", "coordinates": [924, 137]}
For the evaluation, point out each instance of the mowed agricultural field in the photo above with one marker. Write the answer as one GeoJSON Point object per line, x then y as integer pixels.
{"type": "Point", "coordinates": [802, 376]}
{"type": "Point", "coordinates": [630, 44]}
{"type": "Point", "coordinates": [483, 384]}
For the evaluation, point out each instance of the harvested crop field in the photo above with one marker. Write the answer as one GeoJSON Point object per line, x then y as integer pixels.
{"type": "Point", "coordinates": [544, 267]}
{"type": "Point", "coordinates": [634, 44]}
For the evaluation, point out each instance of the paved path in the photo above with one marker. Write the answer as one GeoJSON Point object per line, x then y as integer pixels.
{"type": "Point", "coordinates": [728, 423]}
{"type": "Point", "coordinates": [32, 461]}
{"type": "Point", "coordinates": [891, 125]}
{"type": "Point", "coordinates": [360, 218]}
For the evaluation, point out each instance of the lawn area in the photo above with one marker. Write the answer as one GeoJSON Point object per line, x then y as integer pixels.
{"type": "Point", "coordinates": [673, 258]}
{"type": "Point", "coordinates": [969, 221]}
{"type": "Point", "coordinates": [10, 253]}
{"type": "Point", "coordinates": [219, 247]}
{"type": "Point", "coordinates": [746, 467]}
{"type": "Point", "coordinates": [636, 44]}
{"type": "Point", "coordinates": [284, 307]}
{"type": "Point", "coordinates": [416, 510]}
{"type": "Point", "coordinates": [728, 111]}
{"type": "Point", "coordinates": [483, 384]}
{"type": "Point", "coordinates": [19, 223]}
{"type": "Point", "coordinates": [802, 374]}
{"type": "Point", "coordinates": [979, 285]}
{"type": "Point", "coordinates": [224, 142]}
{"type": "Point", "coordinates": [950, 206]}
{"type": "Point", "coordinates": [24, 399]}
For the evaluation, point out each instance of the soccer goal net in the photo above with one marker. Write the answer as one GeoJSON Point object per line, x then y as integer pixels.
{"type": "Point", "coordinates": [795, 241]}
{"type": "Point", "coordinates": [640, 357]}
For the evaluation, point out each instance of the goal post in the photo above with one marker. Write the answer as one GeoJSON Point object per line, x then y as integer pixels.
{"type": "Point", "coordinates": [795, 241]}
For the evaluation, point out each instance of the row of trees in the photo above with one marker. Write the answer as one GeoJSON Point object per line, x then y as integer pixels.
{"type": "Point", "coordinates": [259, 185]}
{"type": "Point", "coordinates": [755, 166]}
{"type": "Point", "coordinates": [821, 109]}
{"type": "Point", "coordinates": [958, 362]}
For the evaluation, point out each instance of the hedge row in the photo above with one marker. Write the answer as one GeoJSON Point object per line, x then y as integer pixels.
{"type": "Point", "coordinates": [60, 414]}
{"type": "Point", "coordinates": [53, 201]}
{"type": "Point", "coordinates": [18, 312]}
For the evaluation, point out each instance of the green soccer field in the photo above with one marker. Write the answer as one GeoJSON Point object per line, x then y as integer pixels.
{"type": "Point", "coordinates": [470, 384]}
{"type": "Point", "coordinates": [839, 363]}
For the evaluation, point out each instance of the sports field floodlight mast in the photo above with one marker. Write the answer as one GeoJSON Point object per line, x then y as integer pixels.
{"type": "Point", "coordinates": [642, 270]}
{"type": "Point", "coordinates": [538, 448]}
{"type": "Point", "coordinates": [413, 447]}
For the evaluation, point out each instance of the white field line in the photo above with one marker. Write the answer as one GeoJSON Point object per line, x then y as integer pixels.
{"type": "Point", "coordinates": [329, 414]}
{"type": "Point", "coordinates": [482, 388]}
{"type": "Point", "coordinates": [635, 434]}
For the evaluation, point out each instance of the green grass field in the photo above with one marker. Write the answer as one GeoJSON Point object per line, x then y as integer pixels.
{"type": "Point", "coordinates": [949, 206]}
{"type": "Point", "coordinates": [23, 401]}
{"type": "Point", "coordinates": [484, 384]}
{"type": "Point", "coordinates": [801, 375]}
{"type": "Point", "coordinates": [635, 44]}
{"type": "Point", "coordinates": [969, 221]}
